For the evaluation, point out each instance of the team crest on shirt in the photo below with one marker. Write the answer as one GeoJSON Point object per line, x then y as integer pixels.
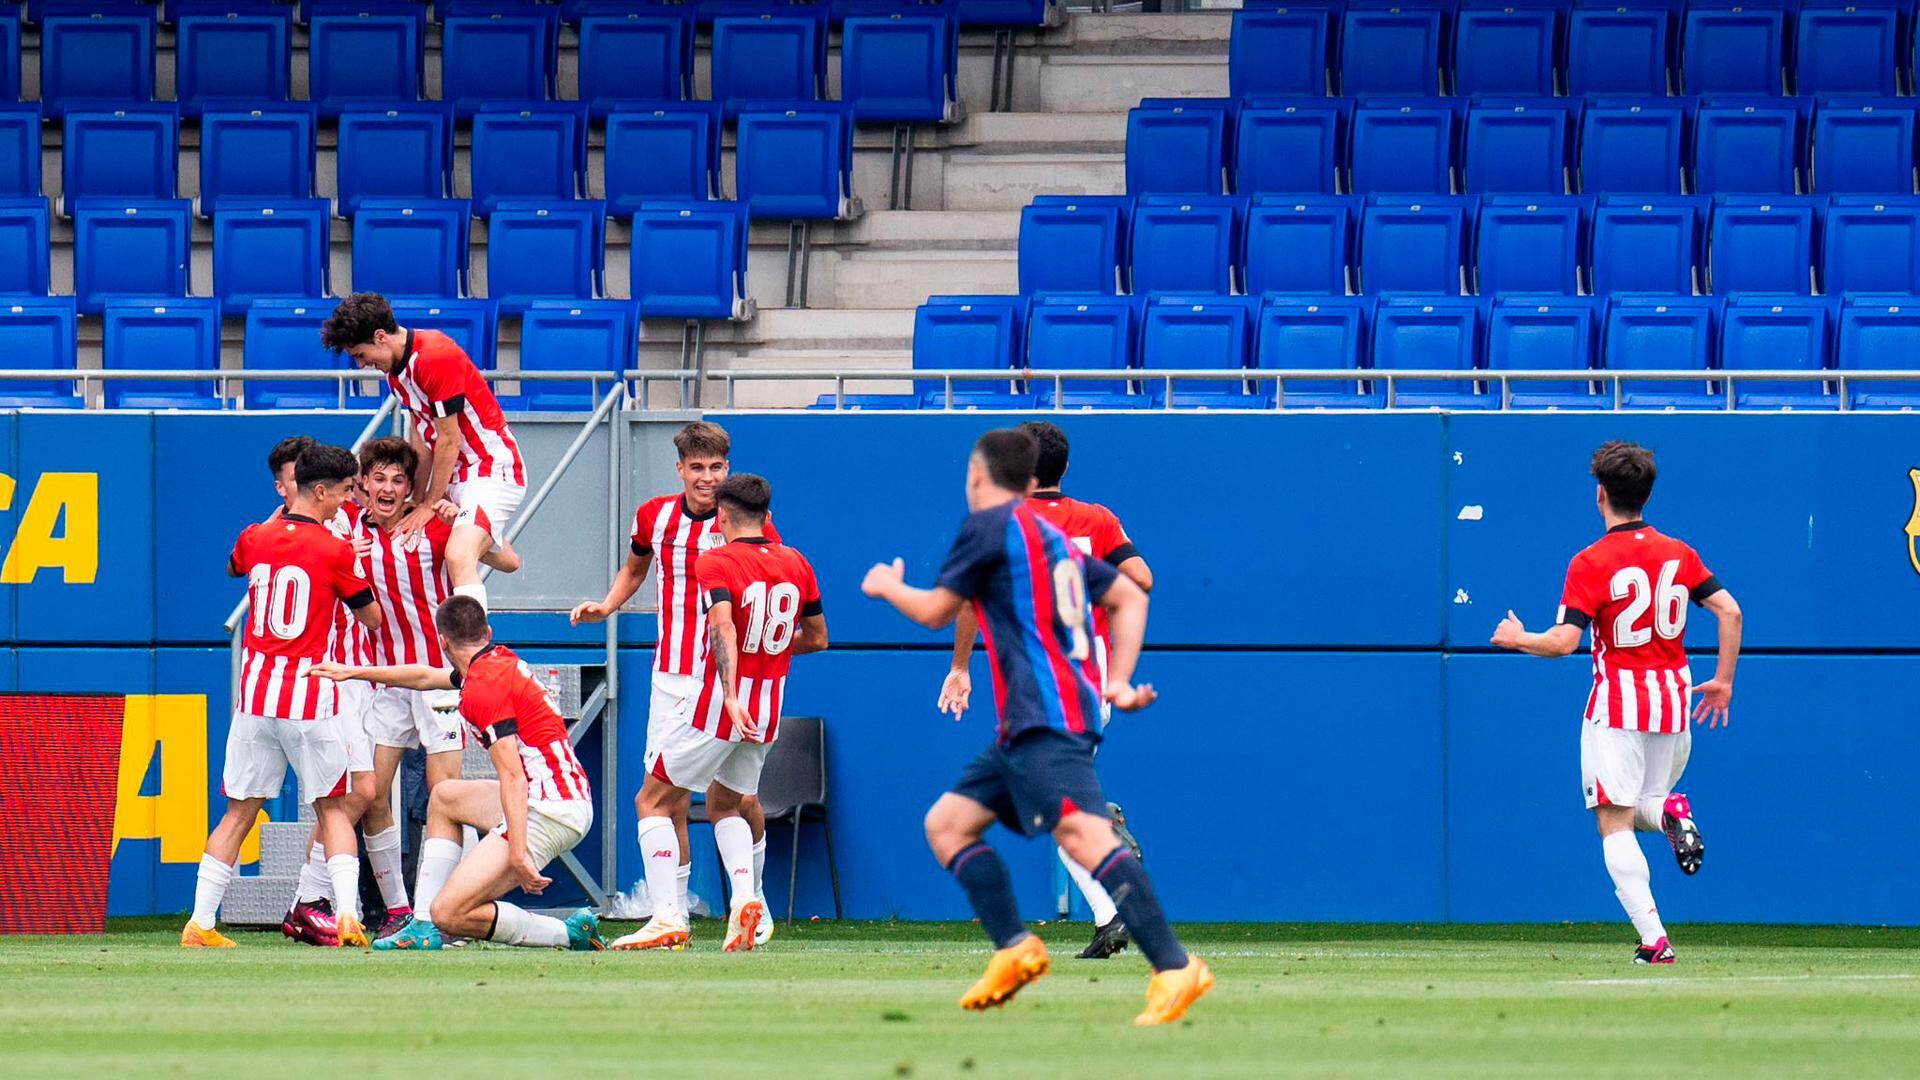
{"type": "Point", "coordinates": [712, 540]}
{"type": "Point", "coordinates": [1913, 523]}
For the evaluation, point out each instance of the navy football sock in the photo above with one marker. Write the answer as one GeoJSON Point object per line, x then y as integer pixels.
{"type": "Point", "coordinates": [1126, 881]}
{"type": "Point", "coordinates": [979, 870]}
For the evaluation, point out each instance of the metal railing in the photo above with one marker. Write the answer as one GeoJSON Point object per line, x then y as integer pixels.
{"type": "Point", "coordinates": [353, 389]}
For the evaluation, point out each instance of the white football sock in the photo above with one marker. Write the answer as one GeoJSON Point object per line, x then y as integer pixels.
{"type": "Point", "coordinates": [1633, 883]}
{"type": "Point", "coordinates": [383, 854]}
{"type": "Point", "coordinates": [345, 872]}
{"type": "Point", "coordinates": [438, 857]}
{"type": "Point", "coordinates": [314, 883]}
{"type": "Point", "coordinates": [475, 590]}
{"type": "Point", "coordinates": [209, 888]}
{"type": "Point", "coordinates": [1098, 901]}
{"type": "Point", "coordinates": [517, 926]}
{"type": "Point", "coordinates": [660, 855]}
{"type": "Point", "coordinates": [760, 869]}
{"type": "Point", "coordinates": [1649, 815]}
{"type": "Point", "coordinates": [683, 883]}
{"type": "Point", "coordinates": [734, 837]}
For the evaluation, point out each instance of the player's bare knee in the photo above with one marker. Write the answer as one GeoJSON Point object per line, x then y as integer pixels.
{"type": "Point", "coordinates": [1613, 819]}
{"type": "Point", "coordinates": [724, 802]}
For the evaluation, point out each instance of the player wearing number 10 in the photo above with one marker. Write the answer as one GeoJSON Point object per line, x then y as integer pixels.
{"type": "Point", "coordinates": [1631, 588]}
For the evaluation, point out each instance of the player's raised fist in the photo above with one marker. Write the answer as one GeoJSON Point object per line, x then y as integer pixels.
{"type": "Point", "coordinates": [1507, 635]}
{"type": "Point", "coordinates": [588, 611]}
{"type": "Point", "coordinates": [955, 692]}
{"type": "Point", "coordinates": [1716, 695]}
{"type": "Point", "coordinates": [884, 576]}
{"type": "Point", "coordinates": [1131, 698]}
{"type": "Point", "coordinates": [327, 669]}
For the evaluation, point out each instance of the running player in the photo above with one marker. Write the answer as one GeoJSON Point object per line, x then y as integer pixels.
{"type": "Point", "coordinates": [762, 608]}
{"type": "Point", "coordinates": [1098, 534]}
{"type": "Point", "coordinates": [1030, 588]}
{"type": "Point", "coordinates": [538, 810]}
{"type": "Point", "coordinates": [1631, 588]}
{"type": "Point", "coordinates": [297, 573]}
{"type": "Point", "coordinates": [471, 474]}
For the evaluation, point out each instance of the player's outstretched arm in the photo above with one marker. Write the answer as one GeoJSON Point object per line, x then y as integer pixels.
{"type": "Point", "coordinates": [625, 584]}
{"type": "Point", "coordinates": [1716, 695]}
{"type": "Point", "coordinates": [405, 676]}
{"type": "Point", "coordinates": [932, 608]}
{"type": "Point", "coordinates": [956, 690]}
{"type": "Point", "coordinates": [811, 637]}
{"type": "Point", "coordinates": [1126, 608]}
{"type": "Point", "coordinates": [1552, 644]}
{"type": "Point", "coordinates": [505, 753]}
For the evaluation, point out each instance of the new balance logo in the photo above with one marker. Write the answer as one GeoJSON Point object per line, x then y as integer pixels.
{"type": "Point", "coordinates": [661, 854]}
{"type": "Point", "coordinates": [737, 873]}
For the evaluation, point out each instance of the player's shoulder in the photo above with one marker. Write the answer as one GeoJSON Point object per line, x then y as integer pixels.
{"type": "Point", "coordinates": [654, 507]}
{"type": "Point", "coordinates": [433, 345]}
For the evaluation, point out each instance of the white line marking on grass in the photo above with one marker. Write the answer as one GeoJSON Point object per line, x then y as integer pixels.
{"type": "Point", "coordinates": [1695, 980]}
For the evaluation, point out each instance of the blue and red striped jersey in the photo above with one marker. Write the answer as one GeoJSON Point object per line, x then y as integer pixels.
{"type": "Point", "coordinates": [1033, 592]}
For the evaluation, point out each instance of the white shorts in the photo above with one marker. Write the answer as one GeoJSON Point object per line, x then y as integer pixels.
{"type": "Point", "coordinates": [260, 748]}
{"type": "Point", "coordinates": [487, 503]}
{"type": "Point", "coordinates": [1623, 768]}
{"type": "Point", "coordinates": [352, 718]}
{"type": "Point", "coordinates": [554, 827]}
{"type": "Point", "coordinates": [674, 699]}
{"type": "Point", "coordinates": [408, 718]}
{"type": "Point", "coordinates": [694, 760]}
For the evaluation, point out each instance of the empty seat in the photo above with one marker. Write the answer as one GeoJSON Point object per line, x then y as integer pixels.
{"type": "Point", "coordinates": [175, 335]}
{"type": "Point", "coordinates": [1392, 51]}
{"type": "Point", "coordinates": [125, 153]}
{"type": "Point", "coordinates": [1662, 334]}
{"type": "Point", "coordinates": [1732, 50]}
{"type": "Point", "coordinates": [797, 162]}
{"type": "Point", "coordinates": [284, 335]}
{"type": "Point", "coordinates": [9, 55]}
{"type": "Point", "coordinates": [241, 55]}
{"type": "Point", "coordinates": [900, 67]}
{"type": "Point", "coordinates": [1531, 245]}
{"type": "Point", "coordinates": [1288, 148]}
{"type": "Point", "coordinates": [403, 247]}
{"type": "Point", "coordinates": [1517, 147]}
{"type": "Point", "coordinates": [1880, 335]}
{"type": "Point", "coordinates": [1871, 246]}
{"type": "Point", "coordinates": [1414, 246]}
{"type": "Point", "coordinates": [90, 60]}
{"type": "Point", "coordinates": [767, 58]}
{"type": "Point", "coordinates": [1081, 334]}
{"type": "Point", "coordinates": [396, 150]}
{"type": "Point", "coordinates": [358, 59]}
{"type": "Point", "coordinates": [472, 323]}
{"type": "Point", "coordinates": [1864, 148]}
{"type": "Point", "coordinates": [967, 334]}
{"type": "Point", "coordinates": [580, 335]}
{"type": "Point", "coordinates": [1778, 334]}
{"type": "Point", "coordinates": [270, 251]}
{"type": "Point", "coordinates": [38, 333]}
{"type": "Point", "coordinates": [19, 151]}
{"type": "Point", "coordinates": [527, 151]}
{"type": "Point", "coordinates": [1206, 333]}
{"type": "Point", "coordinates": [1846, 49]}
{"type": "Point", "coordinates": [254, 154]}
{"type": "Point", "coordinates": [129, 248]}
{"type": "Point", "coordinates": [1633, 148]}
{"type": "Point", "coordinates": [1299, 245]}
{"type": "Point", "coordinates": [1617, 50]}
{"type": "Point", "coordinates": [1072, 247]}
{"type": "Point", "coordinates": [494, 58]}
{"type": "Point", "coordinates": [1647, 246]}
{"type": "Point", "coordinates": [1505, 50]}
{"type": "Point", "coordinates": [639, 56]}
{"type": "Point", "coordinates": [689, 260]}
{"type": "Point", "coordinates": [1546, 334]}
{"type": "Point", "coordinates": [1403, 148]}
{"type": "Point", "coordinates": [25, 251]}
{"type": "Point", "coordinates": [1746, 149]}
{"type": "Point", "coordinates": [1761, 245]}
{"type": "Point", "coordinates": [1176, 149]}
{"type": "Point", "coordinates": [1327, 333]}
{"type": "Point", "coordinates": [1186, 245]}
{"type": "Point", "coordinates": [1436, 334]}
{"type": "Point", "coordinates": [545, 251]}
{"type": "Point", "coordinates": [669, 152]}
{"type": "Point", "coordinates": [1278, 52]}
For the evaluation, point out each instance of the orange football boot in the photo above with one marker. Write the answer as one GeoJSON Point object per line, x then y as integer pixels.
{"type": "Point", "coordinates": [195, 936]}
{"type": "Point", "coordinates": [1010, 969]}
{"type": "Point", "coordinates": [1169, 993]}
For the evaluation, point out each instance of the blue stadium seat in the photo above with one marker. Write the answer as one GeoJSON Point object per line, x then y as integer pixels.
{"type": "Point", "coordinates": [1431, 334]}
{"type": "Point", "coordinates": [1778, 334]}
{"type": "Point", "coordinates": [1073, 248]}
{"type": "Point", "coordinates": [19, 150]}
{"type": "Point", "coordinates": [1415, 246]}
{"type": "Point", "coordinates": [1199, 333]}
{"type": "Point", "coordinates": [1546, 333]}
{"type": "Point", "coordinates": [1278, 52]}
{"type": "Point", "coordinates": [1880, 335]}
{"type": "Point", "coordinates": [1300, 245]}
{"type": "Point", "coordinates": [1746, 150]}
{"type": "Point", "coordinates": [1761, 246]}
{"type": "Point", "coordinates": [1394, 51]}
{"type": "Point", "coordinates": [1646, 246]}
{"type": "Point", "coordinates": [976, 333]}
{"type": "Point", "coordinates": [1662, 334]}
{"type": "Point", "coordinates": [9, 55]}
{"type": "Point", "coordinates": [130, 247]}
{"type": "Point", "coordinates": [1505, 49]}
{"type": "Point", "coordinates": [901, 66]}
{"type": "Point", "coordinates": [765, 59]}
{"type": "Point", "coordinates": [1864, 148]}
{"type": "Point", "coordinates": [38, 333]}
{"type": "Point", "coordinates": [1871, 245]}
{"type": "Point", "coordinates": [255, 153]}
{"type": "Point", "coordinates": [91, 61]}
{"type": "Point", "coordinates": [1517, 146]}
{"type": "Point", "coordinates": [179, 334]}
{"type": "Point", "coordinates": [577, 335]}
{"type": "Point", "coordinates": [545, 251]}
{"type": "Point", "coordinates": [1005, 12]}
{"type": "Point", "coordinates": [270, 251]}
{"type": "Point", "coordinates": [472, 324]}
{"type": "Point", "coordinates": [1532, 245]}
{"type": "Point", "coordinates": [1176, 149]}
{"type": "Point", "coordinates": [1330, 333]}
{"type": "Point", "coordinates": [284, 335]}
{"type": "Point", "coordinates": [25, 246]}
{"type": "Point", "coordinates": [1404, 147]}
{"type": "Point", "coordinates": [1633, 147]}
{"type": "Point", "coordinates": [1081, 333]}
{"type": "Point", "coordinates": [796, 162]}
{"type": "Point", "coordinates": [1846, 49]}
{"type": "Point", "coordinates": [395, 150]}
{"type": "Point", "coordinates": [1289, 147]}
{"type": "Point", "coordinates": [527, 150]}
{"type": "Point", "coordinates": [242, 55]}
{"type": "Point", "coordinates": [494, 58]}
{"type": "Point", "coordinates": [1618, 49]}
{"type": "Point", "coordinates": [362, 59]}
{"type": "Point", "coordinates": [639, 56]}
{"type": "Point", "coordinates": [1732, 50]}
{"type": "Point", "coordinates": [1186, 244]}
{"type": "Point", "coordinates": [689, 260]}
{"type": "Point", "coordinates": [404, 247]}
{"type": "Point", "coordinates": [670, 151]}
{"type": "Point", "coordinates": [125, 153]}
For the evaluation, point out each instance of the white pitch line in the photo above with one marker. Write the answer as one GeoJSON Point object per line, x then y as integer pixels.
{"type": "Point", "coordinates": [1694, 981]}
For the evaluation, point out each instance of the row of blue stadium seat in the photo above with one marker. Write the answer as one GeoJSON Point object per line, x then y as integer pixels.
{"type": "Point", "coordinates": [688, 259]}
{"type": "Point", "coordinates": [1362, 333]}
{"type": "Point", "coordinates": [791, 163]}
{"type": "Point", "coordinates": [1602, 145]}
{"type": "Point", "coordinates": [1449, 244]}
{"type": "Point", "coordinates": [567, 12]}
{"type": "Point", "coordinates": [1637, 47]}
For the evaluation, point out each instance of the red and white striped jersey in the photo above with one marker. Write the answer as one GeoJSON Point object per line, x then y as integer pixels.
{"type": "Point", "coordinates": [771, 588]}
{"type": "Point", "coordinates": [665, 530]}
{"type": "Point", "coordinates": [500, 697]}
{"type": "Point", "coordinates": [1097, 532]}
{"type": "Point", "coordinates": [409, 579]}
{"type": "Point", "coordinates": [298, 573]}
{"type": "Point", "coordinates": [1631, 589]}
{"type": "Point", "coordinates": [437, 379]}
{"type": "Point", "coordinates": [352, 643]}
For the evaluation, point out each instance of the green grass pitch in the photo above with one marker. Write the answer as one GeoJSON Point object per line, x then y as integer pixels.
{"type": "Point", "coordinates": [877, 1000]}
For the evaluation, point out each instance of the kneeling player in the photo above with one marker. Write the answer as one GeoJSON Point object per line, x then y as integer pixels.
{"type": "Point", "coordinates": [538, 809]}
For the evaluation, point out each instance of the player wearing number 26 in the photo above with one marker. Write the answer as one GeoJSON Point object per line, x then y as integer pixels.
{"type": "Point", "coordinates": [1631, 588]}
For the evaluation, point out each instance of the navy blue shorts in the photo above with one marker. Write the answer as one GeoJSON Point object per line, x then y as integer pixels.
{"type": "Point", "coordinates": [1035, 781]}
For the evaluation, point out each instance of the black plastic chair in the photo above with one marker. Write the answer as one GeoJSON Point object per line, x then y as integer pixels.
{"type": "Point", "coordinates": [793, 788]}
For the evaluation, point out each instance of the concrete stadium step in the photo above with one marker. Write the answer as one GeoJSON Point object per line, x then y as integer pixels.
{"type": "Point", "coordinates": [1082, 83]}
{"type": "Point", "coordinates": [800, 393]}
{"type": "Point", "coordinates": [883, 279]}
{"type": "Point", "coordinates": [987, 181]}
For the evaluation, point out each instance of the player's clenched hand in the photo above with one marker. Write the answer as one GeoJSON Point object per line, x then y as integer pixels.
{"type": "Point", "coordinates": [1508, 634]}
{"type": "Point", "coordinates": [362, 547]}
{"type": "Point", "coordinates": [955, 692]}
{"type": "Point", "coordinates": [1131, 698]}
{"type": "Point", "coordinates": [589, 611]}
{"type": "Point", "coordinates": [884, 576]}
{"type": "Point", "coordinates": [1715, 697]}
{"type": "Point", "coordinates": [446, 510]}
{"type": "Point", "coordinates": [527, 874]}
{"type": "Point", "coordinates": [738, 714]}
{"type": "Point", "coordinates": [327, 669]}
{"type": "Point", "coordinates": [415, 521]}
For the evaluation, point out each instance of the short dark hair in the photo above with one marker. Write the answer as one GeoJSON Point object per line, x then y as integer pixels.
{"type": "Point", "coordinates": [356, 320]}
{"type": "Point", "coordinates": [462, 620]}
{"type": "Point", "coordinates": [702, 439]}
{"type": "Point", "coordinates": [1009, 455]}
{"type": "Point", "coordinates": [391, 450]}
{"type": "Point", "coordinates": [1626, 470]}
{"type": "Point", "coordinates": [287, 449]}
{"type": "Point", "coordinates": [1052, 462]}
{"type": "Point", "coordinates": [323, 464]}
{"type": "Point", "coordinates": [746, 497]}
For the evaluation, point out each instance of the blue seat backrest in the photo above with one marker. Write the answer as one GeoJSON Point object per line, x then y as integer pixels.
{"type": "Point", "coordinates": [1430, 334]}
{"type": "Point", "coordinates": [1778, 334]}
{"type": "Point", "coordinates": [1299, 245]}
{"type": "Point", "coordinates": [1880, 335]}
{"type": "Point", "coordinates": [1202, 333]}
{"type": "Point", "coordinates": [1618, 50]}
{"type": "Point", "coordinates": [1746, 149]}
{"type": "Point", "coordinates": [1864, 147]}
{"type": "Point", "coordinates": [1762, 245]}
{"type": "Point", "coordinates": [1733, 50]}
{"type": "Point", "coordinates": [1289, 147]}
{"type": "Point", "coordinates": [1390, 51]}
{"type": "Point", "coordinates": [527, 150]}
{"type": "Point", "coordinates": [545, 251]}
{"type": "Point", "coordinates": [9, 55]}
{"type": "Point", "coordinates": [394, 150]}
{"type": "Point", "coordinates": [1186, 244]}
{"type": "Point", "coordinates": [768, 57]}
{"type": "Point", "coordinates": [689, 260]}
{"type": "Point", "coordinates": [181, 334]}
{"type": "Point", "coordinates": [1662, 334]}
{"type": "Point", "coordinates": [974, 333]}
{"type": "Point", "coordinates": [1871, 245]}
{"type": "Point", "coordinates": [1414, 245]}
{"type": "Point", "coordinates": [414, 248]}
{"type": "Point", "coordinates": [1176, 150]}
{"type": "Point", "coordinates": [473, 324]}
{"type": "Point", "coordinates": [39, 332]}
{"type": "Point", "coordinates": [1278, 52]}
{"type": "Point", "coordinates": [641, 56]}
{"type": "Point", "coordinates": [129, 152]}
{"type": "Point", "coordinates": [1072, 248]}
{"type": "Point", "coordinates": [1505, 50]}
{"type": "Point", "coordinates": [1650, 245]}
{"type": "Point", "coordinates": [25, 246]}
{"type": "Point", "coordinates": [1518, 146]}
{"type": "Point", "coordinates": [1546, 333]}
{"type": "Point", "coordinates": [363, 58]}
{"type": "Point", "coordinates": [257, 153]}
{"type": "Point", "coordinates": [129, 247]}
{"type": "Point", "coordinates": [1636, 147]}
{"type": "Point", "coordinates": [1404, 147]}
{"type": "Point", "coordinates": [795, 162]}
{"type": "Point", "coordinates": [1846, 50]}
{"type": "Point", "coordinates": [1317, 333]}
{"type": "Point", "coordinates": [243, 56]}
{"type": "Point", "coordinates": [577, 335]}
{"type": "Point", "coordinates": [670, 151]}
{"type": "Point", "coordinates": [1532, 245]}
{"type": "Point", "coordinates": [1082, 333]}
{"type": "Point", "coordinates": [19, 150]}
{"type": "Point", "coordinates": [284, 335]}
{"type": "Point", "coordinates": [90, 60]}
{"type": "Point", "coordinates": [275, 250]}
{"type": "Point", "coordinates": [494, 57]}
{"type": "Point", "coordinates": [900, 66]}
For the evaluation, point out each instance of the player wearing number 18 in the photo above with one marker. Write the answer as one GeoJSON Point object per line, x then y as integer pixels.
{"type": "Point", "coordinates": [1631, 589]}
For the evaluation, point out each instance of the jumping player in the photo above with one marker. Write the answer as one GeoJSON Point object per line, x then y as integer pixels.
{"type": "Point", "coordinates": [1030, 588]}
{"type": "Point", "coordinates": [471, 474]}
{"type": "Point", "coordinates": [297, 573]}
{"type": "Point", "coordinates": [1631, 588]}
{"type": "Point", "coordinates": [1099, 535]}
{"type": "Point", "coordinates": [762, 606]}
{"type": "Point", "coordinates": [539, 809]}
